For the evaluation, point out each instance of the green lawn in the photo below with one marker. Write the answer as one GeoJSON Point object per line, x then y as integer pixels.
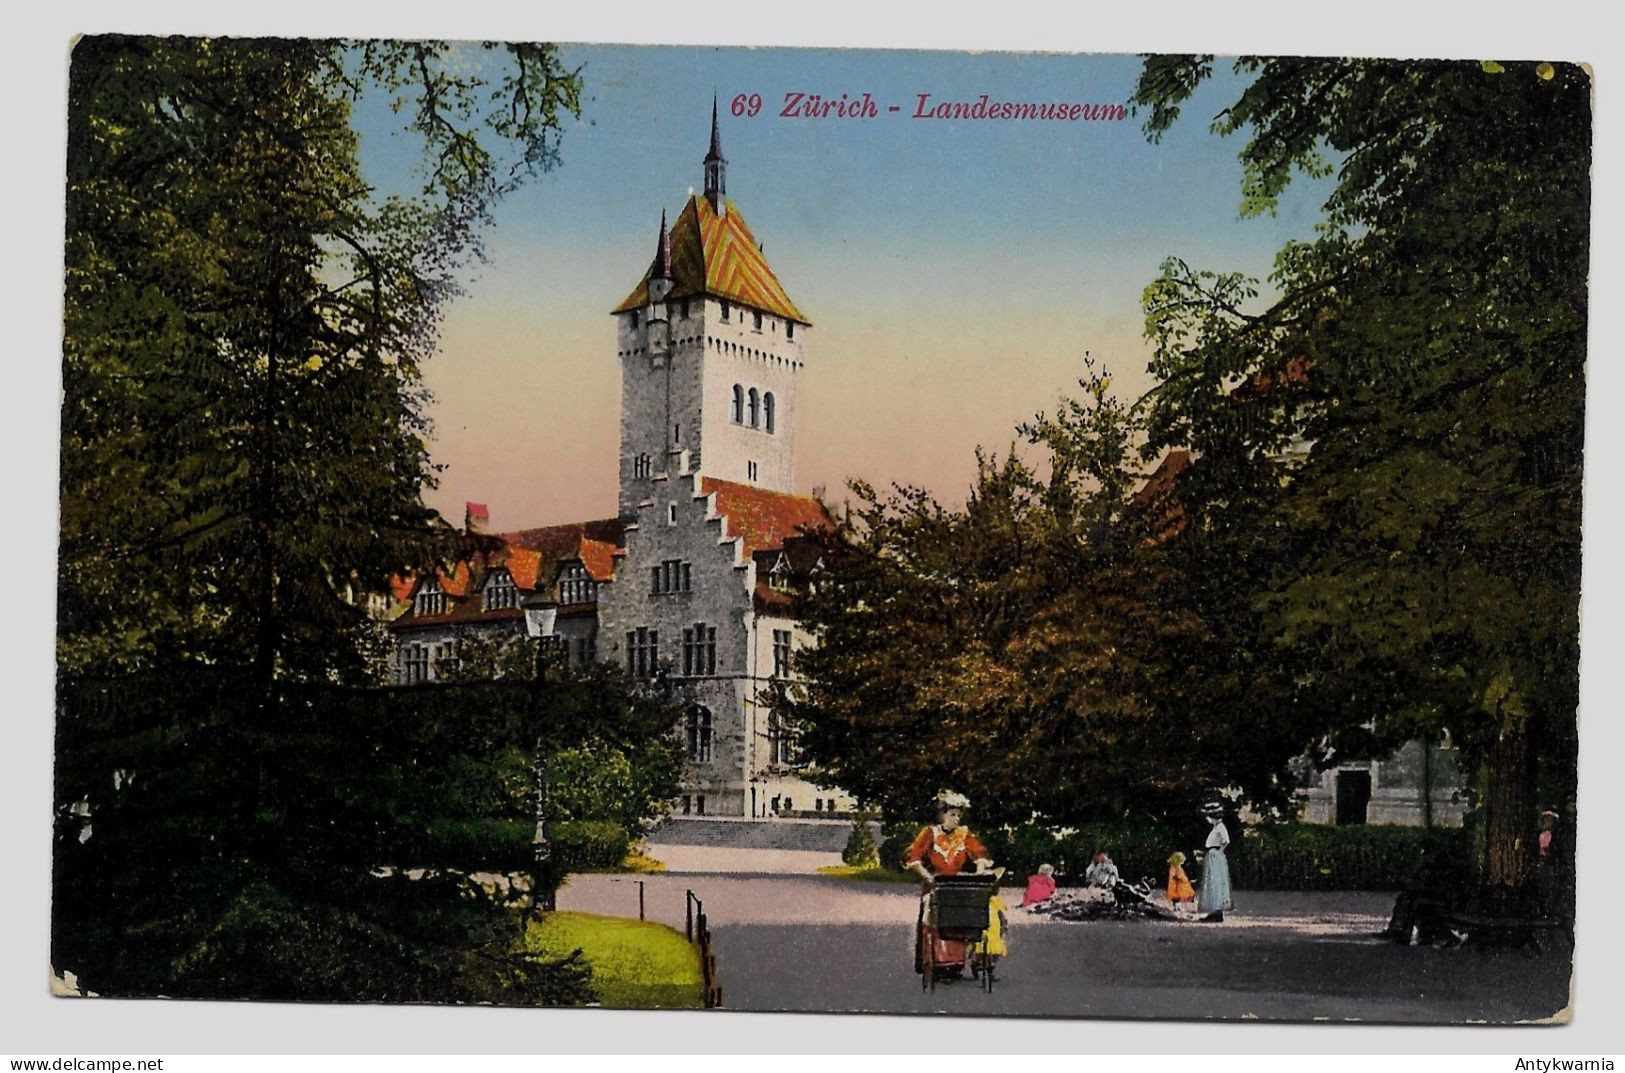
{"type": "Point", "coordinates": [869, 872]}
{"type": "Point", "coordinates": [635, 965]}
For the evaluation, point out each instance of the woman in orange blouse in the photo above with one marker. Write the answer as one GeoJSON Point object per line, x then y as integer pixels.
{"type": "Point", "coordinates": [944, 849]}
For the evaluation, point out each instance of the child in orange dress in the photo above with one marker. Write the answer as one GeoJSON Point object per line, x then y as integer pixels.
{"type": "Point", "coordinates": [1181, 895]}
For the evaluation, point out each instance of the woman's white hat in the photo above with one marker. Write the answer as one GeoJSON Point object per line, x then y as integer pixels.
{"type": "Point", "coordinates": [949, 799]}
{"type": "Point", "coordinates": [1213, 808]}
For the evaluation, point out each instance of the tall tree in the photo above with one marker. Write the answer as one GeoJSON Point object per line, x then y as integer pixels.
{"type": "Point", "coordinates": [1042, 650]}
{"type": "Point", "coordinates": [1407, 464]}
{"type": "Point", "coordinates": [243, 451]}
{"type": "Point", "coordinates": [243, 426]}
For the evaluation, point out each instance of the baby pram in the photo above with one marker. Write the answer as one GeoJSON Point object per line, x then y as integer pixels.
{"type": "Point", "coordinates": [953, 915]}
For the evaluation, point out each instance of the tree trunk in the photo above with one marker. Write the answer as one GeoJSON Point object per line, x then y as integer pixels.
{"type": "Point", "coordinates": [1510, 807]}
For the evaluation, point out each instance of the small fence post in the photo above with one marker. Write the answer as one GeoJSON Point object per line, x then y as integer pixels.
{"type": "Point", "coordinates": [688, 915]}
{"type": "Point", "coordinates": [640, 899]}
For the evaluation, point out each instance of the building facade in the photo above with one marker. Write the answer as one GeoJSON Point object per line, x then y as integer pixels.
{"type": "Point", "coordinates": [687, 589]}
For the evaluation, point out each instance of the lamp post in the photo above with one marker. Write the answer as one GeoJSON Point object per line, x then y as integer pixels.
{"type": "Point", "coordinates": [543, 889]}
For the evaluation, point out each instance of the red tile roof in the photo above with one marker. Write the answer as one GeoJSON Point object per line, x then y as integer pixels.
{"type": "Point", "coordinates": [763, 518]}
{"type": "Point", "coordinates": [718, 256]}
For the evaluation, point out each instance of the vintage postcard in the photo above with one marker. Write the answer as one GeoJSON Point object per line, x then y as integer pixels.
{"type": "Point", "coordinates": [991, 534]}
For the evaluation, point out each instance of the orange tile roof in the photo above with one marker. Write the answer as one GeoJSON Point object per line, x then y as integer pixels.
{"type": "Point", "coordinates": [401, 586]}
{"type": "Point", "coordinates": [598, 556]}
{"type": "Point", "coordinates": [718, 256]}
{"type": "Point", "coordinates": [763, 518]}
{"type": "Point", "coordinates": [524, 565]}
{"type": "Point", "coordinates": [456, 583]}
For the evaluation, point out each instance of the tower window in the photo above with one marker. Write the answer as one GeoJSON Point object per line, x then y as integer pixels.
{"type": "Point", "coordinates": [642, 466]}
{"type": "Point", "coordinates": [739, 405]}
{"type": "Point", "coordinates": [755, 408]}
{"type": "Point", "coordinates": [756, 321]}
{"type": "Point", "coordinates": [725, 311]}
{"type": "Point", "coordinates": [685, 309]}
{"type": "Point", "coordinates": [750, 471]}
{"type": "Point", "coordinates": [634, 318]}
{"type": "Point", "coordinates": [789, 329]}
{"type": "Point", "coordinates": [767, 411]}
{"type": "Point", "coordinates": [671, 513]}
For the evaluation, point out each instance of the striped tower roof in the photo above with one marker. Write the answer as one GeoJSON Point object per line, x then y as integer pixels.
{"type": "Point", "coordinates": [717, 255]}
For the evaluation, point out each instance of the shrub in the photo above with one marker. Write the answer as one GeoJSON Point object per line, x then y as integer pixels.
{"type": "Point", "coordinates": [580, 845]}
{"type": "Point", "coordinates": [860, 844]}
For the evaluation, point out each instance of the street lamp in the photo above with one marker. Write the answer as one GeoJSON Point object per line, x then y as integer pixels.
{"type": "Point", "coordinates": [543, 890]}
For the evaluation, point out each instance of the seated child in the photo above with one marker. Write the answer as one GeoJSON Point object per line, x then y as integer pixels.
{"type": "Point", "coordinates": [1041, 887]}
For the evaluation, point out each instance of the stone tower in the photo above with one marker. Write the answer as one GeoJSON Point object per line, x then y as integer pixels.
{"type": "Point", "coordinates": [710, 347]}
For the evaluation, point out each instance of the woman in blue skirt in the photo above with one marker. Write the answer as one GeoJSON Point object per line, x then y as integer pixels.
{"type": "Point", "coordinates": [1214, 898]}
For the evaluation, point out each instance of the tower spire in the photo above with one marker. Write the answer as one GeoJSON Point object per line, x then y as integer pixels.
{"type": "Point", "coordinates": [716, 167]}
{"type": "Point", "coordinates": [661, 269]}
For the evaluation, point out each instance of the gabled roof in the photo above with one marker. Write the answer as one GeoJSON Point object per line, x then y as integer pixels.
{"type": "Point", "coordinates": [522, 564]}
{"type": "Point", "coordinates": [718, 256]}
{"type": "Point", "coordinates": [458, 581]}
{"type": "Point", "coordinates": [762, 518]}
{"type": "Point", "coordinates": [1161, 482]}
{"type": "Point", "coordinates": [598, 556]}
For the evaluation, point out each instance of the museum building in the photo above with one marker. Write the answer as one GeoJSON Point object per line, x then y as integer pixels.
{"type": "Point", "coordinates": [689, 587]}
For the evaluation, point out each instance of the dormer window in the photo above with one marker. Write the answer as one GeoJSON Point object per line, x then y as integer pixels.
{"type": "Point", "coordinates": [501, 592]}
{"type": "Point", "coordinates": [779, 577]}
{"type": "Point", "coordinates": [576, 586]}
{"type": "Point", "coordinates": [430, 600]}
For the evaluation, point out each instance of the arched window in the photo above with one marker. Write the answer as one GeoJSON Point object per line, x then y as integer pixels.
{"type": "Point", "coordinates": [767, 411]}
{"type": "Point", "coordinates": [699, 733]}
{"type": "Point", "coordinates": [755, 409]}
{"type": "Point", "coordinates": [739, 404]}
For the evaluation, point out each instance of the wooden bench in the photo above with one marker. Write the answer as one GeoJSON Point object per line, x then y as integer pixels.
{"type": "Point", "coordinates": [1524, 933]}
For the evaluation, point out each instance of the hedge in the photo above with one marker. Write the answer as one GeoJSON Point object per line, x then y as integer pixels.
{"type": "Point", "coordinates": [1290, 856]}
{"type": "Point", "coordinates": [586, 844]}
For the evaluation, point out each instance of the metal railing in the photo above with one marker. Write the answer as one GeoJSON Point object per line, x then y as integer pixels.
{"type": "Point", "coordinates": [698, 930]}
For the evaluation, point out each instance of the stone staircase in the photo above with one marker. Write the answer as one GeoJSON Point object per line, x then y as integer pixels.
{"type": "Point", "coordinates": [815, 836]}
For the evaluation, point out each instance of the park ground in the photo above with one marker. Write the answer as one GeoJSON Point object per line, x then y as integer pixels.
{"type": "Point", "coordinates": [788, 941]}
